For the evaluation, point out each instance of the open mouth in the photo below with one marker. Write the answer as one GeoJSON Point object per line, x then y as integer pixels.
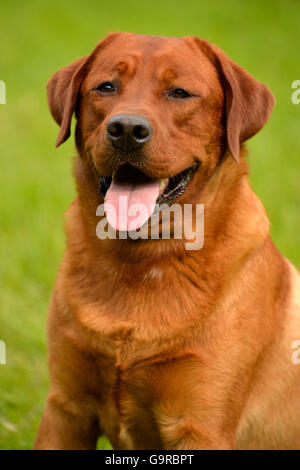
{"type": "Point", "coordinates": [131, 195]}
{"type": "Point", "coordinates": [170, 188]}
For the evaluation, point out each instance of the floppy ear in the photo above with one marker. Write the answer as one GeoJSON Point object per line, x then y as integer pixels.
{"type": "Point", "coordinates": [62, 90]}
{"type": "Point", "coordinates": [248, 102]}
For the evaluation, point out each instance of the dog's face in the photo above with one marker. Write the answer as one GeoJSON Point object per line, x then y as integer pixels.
{"type": "Point", "coordinates": [156, 113]}
{"type": "Point", "coordinates": [152, 103]}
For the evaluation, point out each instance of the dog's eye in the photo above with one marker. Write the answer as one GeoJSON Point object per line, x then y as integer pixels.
{"type": "Point", "coordinates": [179, 93]}
{"type": "Point", "coordinates": [106, 88]}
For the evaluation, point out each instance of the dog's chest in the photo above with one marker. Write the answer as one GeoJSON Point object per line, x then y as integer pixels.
{"type": "Point", "coordinates": [127, 402]}
{"type": "Point", "coordinates": [130, 314]}
{"type": "Point", "coordinates": [138, 329]}
{"type": "Point", "coordinates": [133, 376]}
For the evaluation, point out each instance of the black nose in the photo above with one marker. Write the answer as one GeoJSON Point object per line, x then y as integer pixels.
{"type": "Point", "coordinates": [128, 131]}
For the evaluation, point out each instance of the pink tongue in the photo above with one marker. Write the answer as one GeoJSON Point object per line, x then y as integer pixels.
{"type": "Point", "coordinates": [129, 206]}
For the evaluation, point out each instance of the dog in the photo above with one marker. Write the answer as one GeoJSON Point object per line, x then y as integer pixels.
{"type": "Point", "coordinates": [154, 345]}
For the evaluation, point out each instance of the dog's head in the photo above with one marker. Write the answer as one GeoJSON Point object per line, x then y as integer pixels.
{"type": "Point", "coordinates": [153, 111]}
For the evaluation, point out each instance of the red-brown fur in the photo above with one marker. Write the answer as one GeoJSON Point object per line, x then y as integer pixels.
{"type": "Point", "coordinates": [153, 345]}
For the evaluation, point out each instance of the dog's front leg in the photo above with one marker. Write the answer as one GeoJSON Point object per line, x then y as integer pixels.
{"type": "Point", "coordinates": [70, 420]}
{"type": "Point", "coordinates": [190, 433]}
{"type": "Point", "coordinates": [63, 428]}
{"type": "Point", "coordinates": [197, 404]}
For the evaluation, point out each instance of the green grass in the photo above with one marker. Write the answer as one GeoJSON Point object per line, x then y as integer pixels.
{"type": "Point", "coordinates": [37, 38]}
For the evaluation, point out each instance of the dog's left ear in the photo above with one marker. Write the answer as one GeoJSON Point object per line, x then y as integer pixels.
{"type": "Point", "coordinates": [62, 90]}
{"type": "Point", "coordinates": [248, 102]}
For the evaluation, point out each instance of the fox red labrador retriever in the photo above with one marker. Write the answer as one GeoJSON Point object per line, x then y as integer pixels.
{"type": "Point", "coordinates": [152, 344]}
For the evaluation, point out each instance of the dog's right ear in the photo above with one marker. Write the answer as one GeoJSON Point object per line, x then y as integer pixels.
{"type": "Point", "coordinates": [62, 90]}
{"type": "Point", "coordinates": [63, 87]}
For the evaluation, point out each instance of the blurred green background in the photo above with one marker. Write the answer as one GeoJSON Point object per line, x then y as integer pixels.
{"type": "Point", "coordinates": [39, 37]}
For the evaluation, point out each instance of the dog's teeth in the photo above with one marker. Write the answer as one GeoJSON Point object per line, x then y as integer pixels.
{"type": "Point", "coordinates": [113, 175]}
{"type": "Point", "coordinates": [162, 183]}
